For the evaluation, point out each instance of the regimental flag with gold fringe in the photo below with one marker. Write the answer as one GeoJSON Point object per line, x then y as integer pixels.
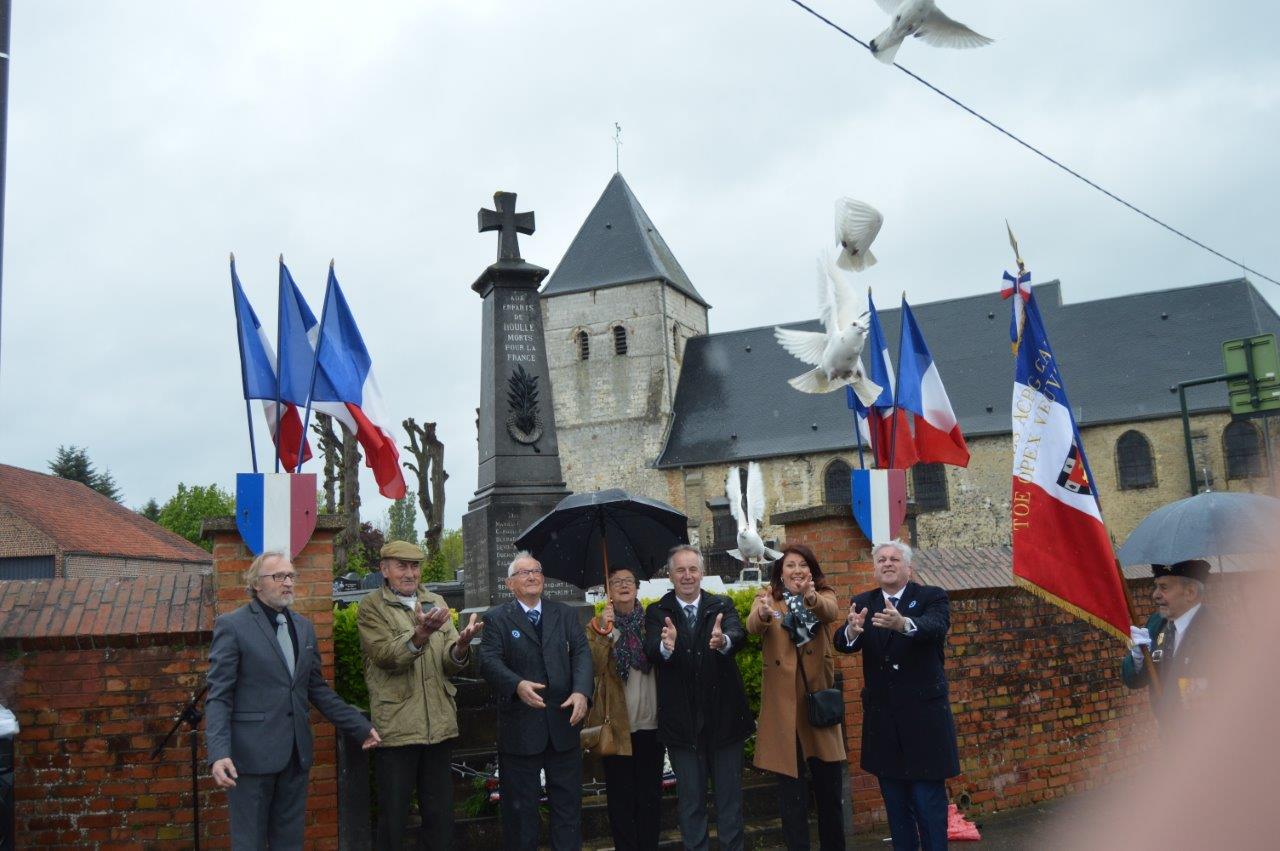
{"type": "Point", "coordinates": [1061, 551]}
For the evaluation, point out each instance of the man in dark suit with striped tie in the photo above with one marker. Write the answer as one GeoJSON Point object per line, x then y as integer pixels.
{"type": "Point", "coordinates": [534, 655]}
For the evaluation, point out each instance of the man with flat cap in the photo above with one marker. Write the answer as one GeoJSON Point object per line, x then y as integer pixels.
{"type": "Point", "coordinates": [411, 648]}
{"type": "Point", "coordinates": [1179, 636]}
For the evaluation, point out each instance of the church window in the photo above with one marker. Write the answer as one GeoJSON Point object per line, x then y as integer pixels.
{"type": "Point", "coordinates": [584, 345]}
{"type": "Point", "coordinates": [929, 482]}
{"type": "Point", "coordinates": [1134, 464]}
{"type": "Point", "coordinates": [619, 340]}
{"type": "Point", "coordinates": [675, 340]}
{"type": "Point", "coordinates": [835, 484]}
{"type": "Point", "coordinates": [1242, 445]}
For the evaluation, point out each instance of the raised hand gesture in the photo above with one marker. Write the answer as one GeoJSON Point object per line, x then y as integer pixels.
{"type": "Point", "coordinates": [890, 619]}
{"type": "Point", "coordinates": [469, 632]}
{"type": "Point", "coordinates": [764, 608]}
{"type": "Point", "coordinates": [669, 636]}
{"type": "Point", "coordinates": [854, 623]}
{"type": "Point", "coordinates": [808, 591]}
{"type": "Point", "coordinates": [717, 634]}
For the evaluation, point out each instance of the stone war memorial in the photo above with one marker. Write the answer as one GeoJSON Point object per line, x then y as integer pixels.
{"type": "Point", "coordinates": [519, 460]}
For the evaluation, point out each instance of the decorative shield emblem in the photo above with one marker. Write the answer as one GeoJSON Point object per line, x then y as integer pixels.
{"type": "Point", "coordinates": [276, 512]}
{"type": "Point", "coordinates": [879, 502]}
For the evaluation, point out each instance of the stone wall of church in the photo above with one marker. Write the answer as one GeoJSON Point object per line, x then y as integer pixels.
{"type": "Point", "coordinates": [612, 409]}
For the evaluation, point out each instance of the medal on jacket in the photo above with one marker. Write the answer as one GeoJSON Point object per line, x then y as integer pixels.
{"type": "Point", "coordinates": [1157, 655]}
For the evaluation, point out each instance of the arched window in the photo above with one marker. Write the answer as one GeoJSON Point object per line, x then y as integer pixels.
{"type": "Point", "coordinates": [619, 340]}
{"type": "Point", "coordinates": [835, 484]}
{"type": "Point", "coordinates": [929, 482]}
{"type": "Point", "coordinates": [1135, 467]}
{"type": "Point", "coordinates": [1242, 446]}
{"type": "Point", "coordinates": [584, 345]}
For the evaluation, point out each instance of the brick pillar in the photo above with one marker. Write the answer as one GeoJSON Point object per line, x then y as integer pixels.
{"type": "Point", "coordinates": [845, 556]}
{"type": "Point", "coordinates": [314, 601]}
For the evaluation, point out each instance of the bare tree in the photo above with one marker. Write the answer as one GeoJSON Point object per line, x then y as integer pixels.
{"type": "Point", "coordinates": [331, 449]}
{"type": "Point", "coordinates": [428, 452]}
{"type": "Point", "coordinates": [349, 538]}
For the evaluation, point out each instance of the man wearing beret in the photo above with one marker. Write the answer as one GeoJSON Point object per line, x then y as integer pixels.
{"type": "Point", "coordinates": [1178, 635]}
{"type": "Point", "coordinates": [411, 648]}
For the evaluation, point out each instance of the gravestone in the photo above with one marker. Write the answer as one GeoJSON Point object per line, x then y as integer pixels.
{"type": "Point", "coordinates": [519, 475]}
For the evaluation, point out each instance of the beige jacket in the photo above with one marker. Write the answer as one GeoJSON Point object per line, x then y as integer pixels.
{"type": "Point", "coordinates": [410, 695]}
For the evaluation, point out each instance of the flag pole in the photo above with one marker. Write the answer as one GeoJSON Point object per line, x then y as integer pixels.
{"type": "Point", "coordinates": [279, 348]}
{"type": "Point", "coordinates": [897, 377]}
{"type": "Point", "coordinates": [853, 402]}
{"type": "Point", "coordinates": [315, 361]}
{"type": "Point", "coordinates": [244, 378]}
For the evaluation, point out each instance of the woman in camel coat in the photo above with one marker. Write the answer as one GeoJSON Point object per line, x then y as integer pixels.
{"type": "Point", "coordinates": [795, 617]}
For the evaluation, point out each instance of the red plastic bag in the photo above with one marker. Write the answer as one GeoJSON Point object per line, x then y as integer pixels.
{"type": "Point", "coordinates": [959, 828]}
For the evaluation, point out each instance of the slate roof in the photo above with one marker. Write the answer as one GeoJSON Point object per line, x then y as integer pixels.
{"type": "Point", "coordinates": [618, 244]}
{"type": "Point", "coordinates": [1119, 355]}
{"type": "Point", "coordinates": [81, 520]}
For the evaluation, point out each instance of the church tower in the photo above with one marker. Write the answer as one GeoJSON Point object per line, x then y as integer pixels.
{"type": "Point", "coordinates": [616, 314]}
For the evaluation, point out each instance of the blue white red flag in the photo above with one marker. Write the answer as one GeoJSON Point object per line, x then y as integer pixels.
{"type": "Point", "coordinates": [258, 377]}
{"type": "Point", "coordinates": [276, 512]}
{"type": "Point", "coordinates": [879, 502]}
{"type": "Point", "coordinates": [346, 389]}
{"type": "Point", "coordinates": [1061, 551]}
{"type": "Point", "coordinates": [1020, 284]}
{"type": "Point", "coordinates": [882, 413]}
{"type": "Point", "coordinates": [938, 436]}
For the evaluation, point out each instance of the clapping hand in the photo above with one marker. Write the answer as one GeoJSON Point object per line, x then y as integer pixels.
{"type": "Point", "coordinates": [717, 634]}
{"type": "Point", "coordinates": [427, 622]}
{"type": "Point", "coordinates": [470, 631]}
{"type": "Point", "coordinates": [669, 636]}
{"type": "Point", "coordinates": [808, 591]}
{"type": "Point", "coordinates": [889, 619]}
{"type": "Point", "coordinates": [854, 623]}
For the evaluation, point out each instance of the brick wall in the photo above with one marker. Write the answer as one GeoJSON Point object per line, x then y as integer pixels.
{"type": "Point", "coordinates": [1039, 707]}
{"type": "Point", "coordinates": [19, 539]}
{"type": "Point", "coordinates": [99, 565]}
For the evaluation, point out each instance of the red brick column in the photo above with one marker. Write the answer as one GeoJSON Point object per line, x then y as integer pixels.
{"type": "Point", "coordinates": [314, 600]}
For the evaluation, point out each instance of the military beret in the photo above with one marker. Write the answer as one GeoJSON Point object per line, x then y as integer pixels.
{"type": "Point", "coordinates": [402, 550]}
{"type": "Point", "coordinates": [1196, 568]}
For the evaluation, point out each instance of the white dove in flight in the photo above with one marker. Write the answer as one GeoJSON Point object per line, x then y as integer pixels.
{"type": "Point", "coordinates": [837, 352]}
{"type": "Point", "coordinates": [751, 548]}
{"type": "Point", "coordinates": [922, 19]}
{"type": "Point", "coordinates": [857, 224]}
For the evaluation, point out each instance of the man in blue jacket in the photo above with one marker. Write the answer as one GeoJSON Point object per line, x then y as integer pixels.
{"type": "Point", "coordinates": [908, 734]}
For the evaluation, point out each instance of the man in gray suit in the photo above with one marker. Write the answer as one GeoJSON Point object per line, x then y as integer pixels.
{"type": "Point", "coordinates": [534, 654]}
{"type": "Point", "coordinates": [263, 670]}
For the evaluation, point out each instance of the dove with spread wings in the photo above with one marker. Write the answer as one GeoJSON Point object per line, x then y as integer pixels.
{"type": "Point", "coordinates": [836, 352]}
{"type": "Point", "coordinates": [751, 548]}
{"type": "Point", "coordinates": [922, 19]}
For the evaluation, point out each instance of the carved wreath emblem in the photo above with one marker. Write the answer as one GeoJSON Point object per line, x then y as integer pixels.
{"type": "Point", "coordinates": [524, 421]}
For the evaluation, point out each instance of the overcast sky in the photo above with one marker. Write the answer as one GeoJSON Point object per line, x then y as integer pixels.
{"type": "Point", "coordinates": [149, 139]}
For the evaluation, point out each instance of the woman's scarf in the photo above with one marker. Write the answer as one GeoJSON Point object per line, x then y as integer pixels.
{"type": "Point", "coordinates": [798, 621]}
{"type": "Point", "coordinates": [628, 650]}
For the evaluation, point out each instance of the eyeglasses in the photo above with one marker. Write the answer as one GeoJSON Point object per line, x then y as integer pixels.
{"type": "Point", "coordinates": [621, 582]}
{"type": "Point", "coordinates": [282, 578]}
{"type": "Point", "coordinates": [528, 571]}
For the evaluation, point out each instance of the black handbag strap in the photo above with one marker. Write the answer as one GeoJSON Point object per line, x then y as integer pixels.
{"type": "Point", "coordinates": [803, 677]}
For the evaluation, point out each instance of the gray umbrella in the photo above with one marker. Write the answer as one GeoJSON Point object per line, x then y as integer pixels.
{"type": "Point", "coordinates": [1216, 523]}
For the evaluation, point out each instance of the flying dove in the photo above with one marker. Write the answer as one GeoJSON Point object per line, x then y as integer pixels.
{"type": "Point", "coordinates": [922, 19]}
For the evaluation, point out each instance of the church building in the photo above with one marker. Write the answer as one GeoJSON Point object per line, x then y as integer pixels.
{"type": "Point", "coordinates": [648, 399]}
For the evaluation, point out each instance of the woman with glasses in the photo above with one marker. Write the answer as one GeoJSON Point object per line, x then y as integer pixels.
{"type": "Point", "coordinates": [626, 711]}
{"type": "Point", "coordinates": [795, 616]}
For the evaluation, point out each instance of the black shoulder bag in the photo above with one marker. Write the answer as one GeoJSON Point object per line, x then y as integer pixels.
{"type": "Point", "coordinates": [825, 707]}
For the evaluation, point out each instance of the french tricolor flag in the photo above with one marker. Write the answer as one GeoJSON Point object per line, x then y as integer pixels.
{"type": "Point", "coordinates": [344, 386]}
{"type": "Point", "coordinates": [258, 376]}
{"type": "Point", "coordinates": [920, 390]}
{"type": "Point", "coordinates": [882, 413]}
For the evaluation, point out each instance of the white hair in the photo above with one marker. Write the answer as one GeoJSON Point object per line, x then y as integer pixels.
{"type": "Point", "coordinates": [523, 555]}
{"type": "Point", "coordinates": [903, 549]}
{"type": "Point", "coordinates": [684, 548]}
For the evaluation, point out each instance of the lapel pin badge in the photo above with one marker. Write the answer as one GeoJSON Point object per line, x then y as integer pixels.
{"type": "Point", "coordinates": [911, 605]}
{"type": "Point", "coordinates": [515, 633]}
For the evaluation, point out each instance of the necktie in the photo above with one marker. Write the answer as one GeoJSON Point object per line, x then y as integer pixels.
{"type": "Point", "coordinates": [286, 643]}
{"type": "Point", "coordinates": [691, 615]}
{"type": "Point", "coordinates": [893, 601]}
{"type": "Point", "coordinates": [1171, 637]}
{"type": "Point", "coordinates": [535, 618]}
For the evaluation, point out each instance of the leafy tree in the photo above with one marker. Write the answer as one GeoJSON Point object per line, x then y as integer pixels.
{"type": "Point", "coordinates": [402, 517]}
{"type": "Point", "coordinates": [441, 566]}
{"type": "Point", "coordinates": [151, 510]}
{"type": "Point", "coordinates": [187, 509]}
{"type": "Point", "coordinates": [73, 462]}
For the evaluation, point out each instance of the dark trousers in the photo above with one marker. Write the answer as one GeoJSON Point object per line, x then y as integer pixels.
{"type": "Point", "coordinates": [723, 767]}
{"type": "Point", "coordinates": [793, 802]}
{"type": "Point", "coordinates": [634, 787]}
{"type": "Point", "coordinates": [519, 791]}
{"type": "Point", "coordinates": [398, 771]}
{"type": "Point", "coordinates": [269, 810]}
{"type": "Point", "coordinates": [917, 811]}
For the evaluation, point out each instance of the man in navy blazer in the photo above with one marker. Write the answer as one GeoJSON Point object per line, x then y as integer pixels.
{"type": "Point", "coordinates": [534, 655]}
{"type": "Point", "coordinates": [908, 734]}
{"type": "Point", "coordinates": [264, 669]}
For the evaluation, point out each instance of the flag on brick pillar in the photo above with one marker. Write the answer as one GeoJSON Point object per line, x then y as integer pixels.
{"type": "Point", "coordinates": [1061, 551]}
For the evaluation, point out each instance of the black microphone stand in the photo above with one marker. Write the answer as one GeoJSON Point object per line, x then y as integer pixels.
{"type": "Point", "coordinates": [192, 715]}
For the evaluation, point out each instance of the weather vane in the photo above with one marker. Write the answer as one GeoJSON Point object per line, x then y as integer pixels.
{"type": "Point", "coordinates": [617, 146]}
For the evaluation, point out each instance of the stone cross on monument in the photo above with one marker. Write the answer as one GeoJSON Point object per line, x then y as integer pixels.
{"type": "Point", "coordinates": [519, 473]}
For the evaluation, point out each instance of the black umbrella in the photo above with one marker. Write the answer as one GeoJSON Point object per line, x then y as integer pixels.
{"type": "Point", "coordinates": [1215, 523]}
{"type": "Point", "coordinates": [587, 532]}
